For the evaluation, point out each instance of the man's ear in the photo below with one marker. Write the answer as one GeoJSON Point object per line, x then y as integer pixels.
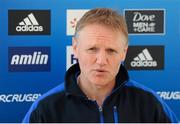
{"type": "Point", "coordinates": [74, 46]}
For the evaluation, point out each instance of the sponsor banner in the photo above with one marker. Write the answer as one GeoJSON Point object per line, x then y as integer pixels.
{"type": "Point", "coordinates": [70, 58]}
{"type": "Point", "coordinates": [145, 21]}
{"type": "Point", "coordinates": [73, 16]}
{"type": "Point", "coordinates": [169, 95]}
{"type": "Point", "coordinates": [29, 59]}
{"type": "Point", "coordinates": [9, 98]}
{"type": "Point", "coordinates": [29, 22]}
{"type": "Point", "coordinates": [145, 58]}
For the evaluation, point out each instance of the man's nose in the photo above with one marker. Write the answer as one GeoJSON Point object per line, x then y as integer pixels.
{"type": "Point", "coordinates": [101, 58]}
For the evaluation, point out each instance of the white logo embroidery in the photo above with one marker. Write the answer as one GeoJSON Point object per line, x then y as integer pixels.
{"type": "Point", "coordinates": [144, 59]}
{"type": "Point", "coordinates": [29, 24]}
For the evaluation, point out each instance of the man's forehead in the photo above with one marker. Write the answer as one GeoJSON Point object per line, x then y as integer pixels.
{"type": "Point", "coordinates": [98, 27]}
{"type": "Point", "coordinates": [98, 32]}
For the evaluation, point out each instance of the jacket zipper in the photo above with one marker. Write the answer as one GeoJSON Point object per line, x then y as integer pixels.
{"type": "Point", "coordinates": [101, 114]}
{"type": "Point", "coordinates": [100, 108]}
{"type": "Point", "coordinates": [114, 108]}
{"type": "Point", "coordinates": [115, 115]}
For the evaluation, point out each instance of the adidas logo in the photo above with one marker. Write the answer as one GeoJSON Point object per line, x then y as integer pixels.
{"type": "Point", "coordinates": [144, 59]}
{"type": "Point", "coordinates": [29, 24]}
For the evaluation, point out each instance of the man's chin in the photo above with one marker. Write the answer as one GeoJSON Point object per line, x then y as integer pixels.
{"type": "Point", "coordinates": [100, 83]}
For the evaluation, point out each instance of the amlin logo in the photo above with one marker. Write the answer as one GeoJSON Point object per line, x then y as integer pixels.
{"type": "Point", "coordinates": [145, 58]}
{"type": "Point", "coordinates": [29, 22]}
{"type": "Point", "coordinates": [29, 59]}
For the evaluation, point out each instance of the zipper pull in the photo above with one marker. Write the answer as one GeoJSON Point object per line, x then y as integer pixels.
{"type": "Point", "coordinates": [101, 114]}
{"type": "Point", "coordinates": [115, 109]}
{"type": "Point", "coordinates": [100, 108]}
{"type": "Point", "coordinates": [115, 115]}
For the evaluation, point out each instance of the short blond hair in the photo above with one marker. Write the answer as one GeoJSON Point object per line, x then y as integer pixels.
{"type": "Point", "coordinates": [106, 17]}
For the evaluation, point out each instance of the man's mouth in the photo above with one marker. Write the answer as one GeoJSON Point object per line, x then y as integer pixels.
{"type": "Point", "coordinates": [100, 70]}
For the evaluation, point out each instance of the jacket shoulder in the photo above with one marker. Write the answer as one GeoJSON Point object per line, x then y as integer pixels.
{"type": "Point", "coordinates": [43, 99]}
{"type": "Point", "coordinates": [149, 93]}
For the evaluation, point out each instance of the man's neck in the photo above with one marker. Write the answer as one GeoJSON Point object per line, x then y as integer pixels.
{"type": "Point", "coordinates": [93, 92]}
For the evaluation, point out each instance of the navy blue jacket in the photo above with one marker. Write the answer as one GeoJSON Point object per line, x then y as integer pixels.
{"type": "Point", "coordinates": [128, 102]}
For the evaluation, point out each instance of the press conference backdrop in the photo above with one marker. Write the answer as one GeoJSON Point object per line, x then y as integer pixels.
{"type": "Point", "coordinates": [35, 47]}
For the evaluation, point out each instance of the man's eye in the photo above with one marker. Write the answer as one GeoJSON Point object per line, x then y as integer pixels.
{"type": "Point", "coordinates": [92, 49]}
{"type": "Point", "coordinates": [111, 51]}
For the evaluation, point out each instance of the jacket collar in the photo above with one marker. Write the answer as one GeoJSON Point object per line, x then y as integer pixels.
{"type": "Point", "coordinates": [72, 88]}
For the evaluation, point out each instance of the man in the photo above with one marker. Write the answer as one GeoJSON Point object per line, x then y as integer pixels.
{"type": "Point", "coordinates": [98, 88]}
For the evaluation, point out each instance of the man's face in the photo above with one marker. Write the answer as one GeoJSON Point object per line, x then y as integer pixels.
{"type": "Point", "coordinates": [100, 51]}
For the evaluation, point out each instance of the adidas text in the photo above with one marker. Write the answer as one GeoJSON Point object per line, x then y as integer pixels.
{"type": "Point", "coordinates": [144, 63]}
{"type": "Point", "coordinates": [26, 28]}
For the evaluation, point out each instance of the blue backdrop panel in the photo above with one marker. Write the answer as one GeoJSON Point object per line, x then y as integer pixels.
{"type": "Point", "coordinates": [35, 52]}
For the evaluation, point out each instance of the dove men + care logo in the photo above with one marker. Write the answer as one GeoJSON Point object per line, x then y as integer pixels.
{"type": "Point", "coordinates": [145, 58]}
{"type": "Point", "coordinates": [29, 59]}
{"type": "Point", "coordinates": [29, 22]}
{"type": "Point", "coordinates": [145, 21]}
